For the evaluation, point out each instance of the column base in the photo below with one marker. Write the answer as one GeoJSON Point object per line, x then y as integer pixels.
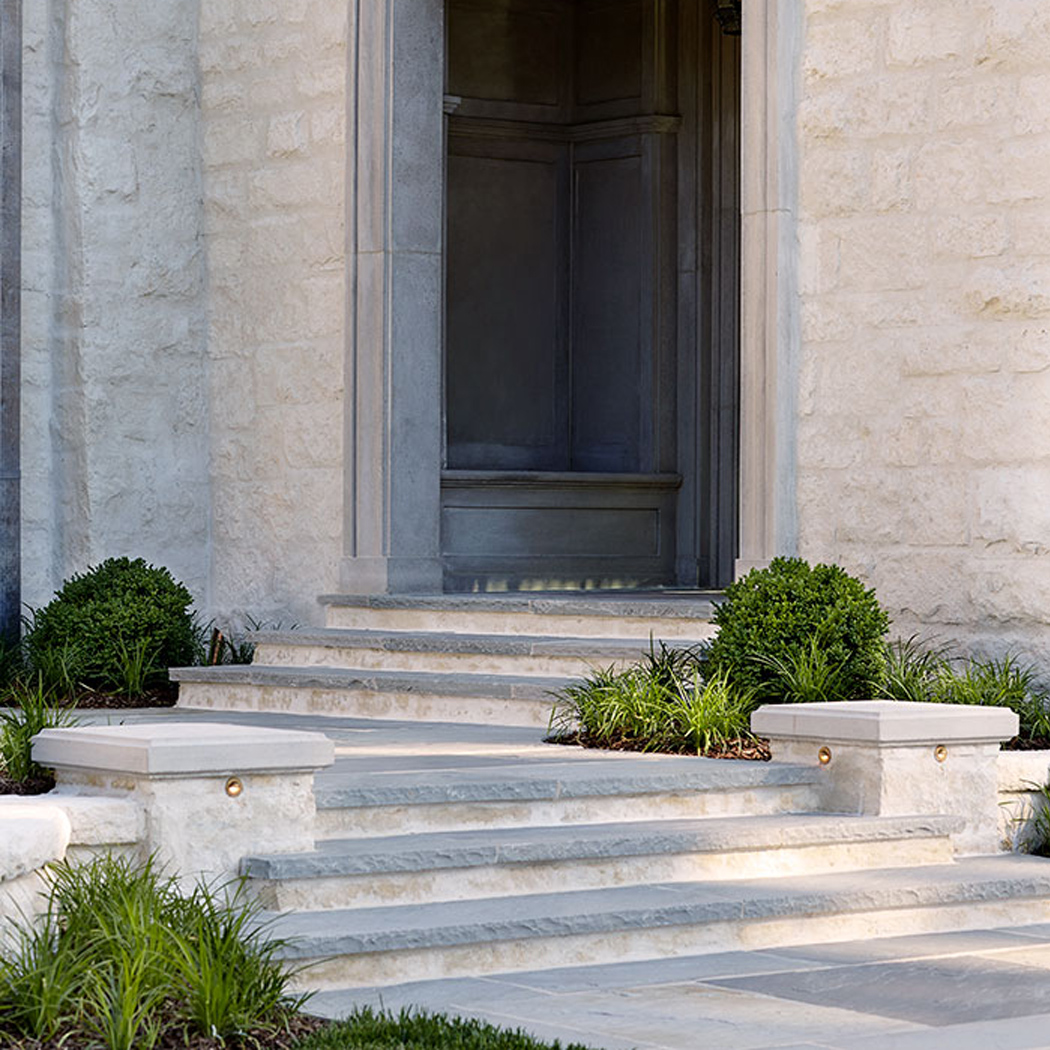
{"type": "Point", "coordinates": [391, 576]}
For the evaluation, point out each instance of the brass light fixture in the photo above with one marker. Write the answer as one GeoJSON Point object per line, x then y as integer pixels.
{"type": "Point", "coordinates": [234, 787]}
{"type": "Point", "coordinates": [940, 752]}
{"type": "Point", "coordinates": [824, 756]}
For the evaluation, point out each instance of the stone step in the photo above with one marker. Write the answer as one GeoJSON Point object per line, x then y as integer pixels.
{"type": "Point", "coordinates": [580, 791]}
{"type": "Point", "coordinates": [448, 652]}
{"type": "Point", "coordinates": [667, 615]}
{"type": "Point", "coordinates": [510, 700]}
{"type": "Point", "coordinates": [389, 945]}
{"type": "Point", "coordinates": [448, 866]}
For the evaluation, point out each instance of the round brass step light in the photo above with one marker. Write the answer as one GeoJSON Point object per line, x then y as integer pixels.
{"type": "Point", "coordinates": [234, 787]}
{"type": "Point", "coordinates": [824, 756]}
{"type": "Point", "coordinates": [940, 752]}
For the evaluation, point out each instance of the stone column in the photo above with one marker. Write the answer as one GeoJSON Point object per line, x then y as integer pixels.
{"type": "Point", "coordinates": [211, 792]}
{"type": "Point", "coordinates": [394, 361]}
{"type": "Point", "coordinates": [884, 758]}
{"type": "Point", "coordinates": [770, 326]}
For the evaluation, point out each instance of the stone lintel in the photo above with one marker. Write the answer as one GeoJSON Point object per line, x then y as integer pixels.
{"type": "Point", "coordinates": [885, 723]}
{"type": "Point", "coordinates": [182, 749]}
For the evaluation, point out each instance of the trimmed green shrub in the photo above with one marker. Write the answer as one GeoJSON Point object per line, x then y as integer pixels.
{"type": "Point", "coordinates": [774, 620]}
{"type": "Point", "coordinates": [118, 626]}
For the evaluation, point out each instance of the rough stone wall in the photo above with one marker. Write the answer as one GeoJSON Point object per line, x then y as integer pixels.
{"type": "Point", "coordinates": [274, 102]}
{"type": "Point", "coordinates": [924, 403]}
{"type": "Point", "coordinates": [115, 456]}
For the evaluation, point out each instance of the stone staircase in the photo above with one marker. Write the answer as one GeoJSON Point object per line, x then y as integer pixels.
{"type": "Point", "coordinates": [470, 849]}
{"type": "Point", "coordinates": [540, 862]}
{"type": "Point", "coordinates": [446, 658]}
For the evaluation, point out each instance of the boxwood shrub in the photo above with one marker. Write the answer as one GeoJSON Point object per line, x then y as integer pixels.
{"type": "Point", "coordinates": [792, 614]}
{"type": "Point", "coordinates": [118, 608]}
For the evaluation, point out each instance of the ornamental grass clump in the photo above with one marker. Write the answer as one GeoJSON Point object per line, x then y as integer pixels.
{"type": "Point", "coordinates": [925, 673]}
{"type": "Point", "coordinates": [1004, 682]}
{"type": "Point", "coordinates": [795, 631]}
{"type": "Point", "coordinates": [30, 709]}
{"type": "Point", "coordinates": [665, 703]}
{"type": "Point", "coordinates": [367, 1029]}
{"type": "Point", "coordinates": [914, 670]}
{"type": "Point", "coordinates": [121, 959]}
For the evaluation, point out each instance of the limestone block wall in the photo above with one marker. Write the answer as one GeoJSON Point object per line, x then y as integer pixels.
{"type": "Point", "coordinates": [115, 453]}
{"type": "Point", "coordinates": [38, 831]}
{"type": "Point", "coordinates": [924, 430]}
{"type": "Point", "coordinates": [274, 75]}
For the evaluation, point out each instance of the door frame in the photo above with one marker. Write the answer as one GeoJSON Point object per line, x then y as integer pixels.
{"type": "Point", "coordinates": [770, 299]}
{"type": "Point", "coordinates": [393, 367]}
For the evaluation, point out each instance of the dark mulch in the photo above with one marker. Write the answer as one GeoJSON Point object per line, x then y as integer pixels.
{"type": "Point", "coordinates": [33, 786]}
{"type": "Point", "coordinates": [175, 1039]}
{"type": "Point", "coordinates": [1018, 743]}
{"type": "Point", "coordinates": [161, 696]}
{"type": "Point", "coordinates": [749, 750]}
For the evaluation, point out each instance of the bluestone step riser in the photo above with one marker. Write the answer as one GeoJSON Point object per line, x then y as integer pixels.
{"type": "Point", "coordinates": [378, 890]}
{"type": "Point", "coordinates": [436, 662]}
{"type": "Point", "coordinates": [422, 963]}
{"type": "Point", "coordinates": [365, 703]}
{"type": "Point", "coordinates": [343, 822]}
{"type": "Point", "coordinates": [517, 623]}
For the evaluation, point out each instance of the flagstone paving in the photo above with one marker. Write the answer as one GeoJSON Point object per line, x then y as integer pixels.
{"type": "Point", "coordinates": [968, 991]}
{"type": "Point", "coordinates": [976, 990]}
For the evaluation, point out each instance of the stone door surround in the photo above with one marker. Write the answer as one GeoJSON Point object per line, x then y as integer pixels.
{"type": "Point", "coordinates": [392, 495]}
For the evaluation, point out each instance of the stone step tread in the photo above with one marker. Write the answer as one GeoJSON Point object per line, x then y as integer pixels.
{"type": "Point", "coordinates": [556, 781]}
{"type": "Point", "coordinates": [425, 683]}
{"type": "Point", "coordinates": [417, 926]}
{"type": "Point", "coordinates": [687, 605]}
{"type": "Point", "coordinates": [466, 644]}
{"type": "Point", "coordinates": [487, 847]}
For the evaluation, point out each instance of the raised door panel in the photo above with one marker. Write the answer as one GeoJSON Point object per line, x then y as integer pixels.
{"type": "Point", "coordinates": [611, 383]}
{"type": "Point", "coordinates": [509, 58]}
{"type": "Point", "coordinates": [609, 53]}
{"type": "Point", "coordinates": [506, 356]}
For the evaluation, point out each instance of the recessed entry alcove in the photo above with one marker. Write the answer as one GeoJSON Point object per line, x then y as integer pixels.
{"type": "Point", "coordinates": [591, 294]}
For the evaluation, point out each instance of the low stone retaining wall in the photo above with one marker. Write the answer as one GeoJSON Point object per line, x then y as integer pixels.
{"type": "Point", "coordinates": [1020, 773]}
{"type": "Point", "coordinates": [35, 832]}
{"type": "Point", "coordinates": [197, 797]}
{"type": "Point", "coordinates": [884, 758]}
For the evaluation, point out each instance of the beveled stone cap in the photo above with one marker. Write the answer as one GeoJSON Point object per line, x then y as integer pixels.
{"type": "Point", "coordinates": [182, 749]}
{"type": "Point", "coordinates": [885, 722]}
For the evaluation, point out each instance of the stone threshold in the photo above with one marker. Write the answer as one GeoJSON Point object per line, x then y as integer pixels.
{"type": "Point", "coordinates": [656, 604]}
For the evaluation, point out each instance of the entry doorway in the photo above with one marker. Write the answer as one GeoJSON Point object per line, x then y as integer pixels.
{"type": "Point", "coordinates": [591, 296]}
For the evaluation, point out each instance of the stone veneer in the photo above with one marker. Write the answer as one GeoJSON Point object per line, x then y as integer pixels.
{"type": "Point", "coordinates": [115, 443]}
{"type": "Point", "coordinates": [184, 321]}
{"type": "Point", "coordinates": [923, 446]}
{"type": "Point", "coordinates": [273, 98]}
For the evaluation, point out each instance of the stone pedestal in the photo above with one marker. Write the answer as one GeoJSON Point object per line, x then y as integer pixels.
{"type": "Point", "coordinates": [211, 793]}
{"type": "Point", "coordinates": [884, 758]}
